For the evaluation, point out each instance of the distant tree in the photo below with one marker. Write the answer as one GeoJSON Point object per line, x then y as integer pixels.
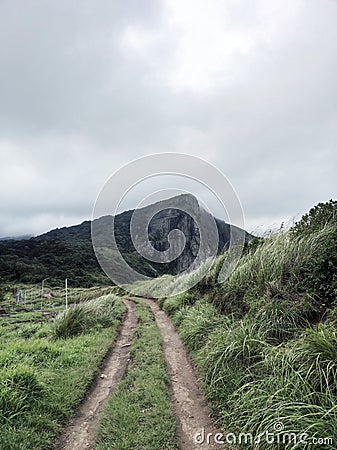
{"type": "Point", "coordinates": [317, 218]}
{"type": "Point", "coordinates": [319, 275]}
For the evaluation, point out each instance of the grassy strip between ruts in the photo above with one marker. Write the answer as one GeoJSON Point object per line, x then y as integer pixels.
{"type": "Point", "coordinates": [139, 415]}
{"type": "Point", "coordinates": [43, 378]}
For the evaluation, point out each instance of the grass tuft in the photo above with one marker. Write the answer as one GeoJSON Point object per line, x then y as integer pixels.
{"type": "Point", "coordinates": [99, 312]}
{"type": "Point", "coordinates": [197, 323]}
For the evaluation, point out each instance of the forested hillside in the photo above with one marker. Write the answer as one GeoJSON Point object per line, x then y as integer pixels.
{"type": "Point", "coordinates": [68, 252]}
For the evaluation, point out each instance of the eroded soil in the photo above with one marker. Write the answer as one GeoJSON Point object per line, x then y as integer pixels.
{"type": "Point", "coordinates": [190, 407]}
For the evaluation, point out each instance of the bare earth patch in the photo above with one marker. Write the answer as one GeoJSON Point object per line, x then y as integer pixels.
{"type": "Point", "coordinates": [190, 407]}
{"type": "Point", "coordinates": [80, 434]}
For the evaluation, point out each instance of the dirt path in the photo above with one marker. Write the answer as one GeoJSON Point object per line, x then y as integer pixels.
{"type": "Point", "coordinates": [190, 407]}
{"type": "Point", "coordinates": [81, 432]}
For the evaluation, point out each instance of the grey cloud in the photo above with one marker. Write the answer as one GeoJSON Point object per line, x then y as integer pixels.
{"type": "Point", "coordinates": [77, 102]}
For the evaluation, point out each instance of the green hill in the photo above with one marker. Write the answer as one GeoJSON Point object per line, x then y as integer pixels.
{"type": "Point", "coordinates": [68, 253]}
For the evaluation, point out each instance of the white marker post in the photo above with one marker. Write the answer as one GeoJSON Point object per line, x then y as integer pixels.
{"type": "Point", "coordinates": [66, 293]}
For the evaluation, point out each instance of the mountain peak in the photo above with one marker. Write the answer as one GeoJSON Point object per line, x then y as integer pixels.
{"type": "Point", "coordinates": [68, 251]}
{"type": "Point", "coordinates": [178, 201]}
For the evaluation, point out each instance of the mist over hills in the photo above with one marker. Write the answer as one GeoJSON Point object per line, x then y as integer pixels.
{"type": "Point", "coordinates": [68, 252]}
{"type": "Point", "coordinates": [16, 238]}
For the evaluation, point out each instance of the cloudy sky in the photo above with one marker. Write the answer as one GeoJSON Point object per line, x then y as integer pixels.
{"type": "Point", "coordinates": [85, 87]}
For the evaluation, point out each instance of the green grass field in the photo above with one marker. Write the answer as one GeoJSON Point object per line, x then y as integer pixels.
{"type": "Point", "coordinates": [43, 376]}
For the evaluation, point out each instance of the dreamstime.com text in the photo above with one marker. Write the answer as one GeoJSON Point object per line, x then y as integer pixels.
{"type": "Point", "coordinates": [279, 436]}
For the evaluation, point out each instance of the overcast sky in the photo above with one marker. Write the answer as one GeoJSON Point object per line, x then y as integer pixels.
{"type": "Point", "coordinates": [85, 87]}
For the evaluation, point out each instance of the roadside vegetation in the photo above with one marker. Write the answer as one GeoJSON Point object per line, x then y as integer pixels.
{"type": "Point", "coordinates": [265, 340]}
{"type": "Point", "coordinates": [139, 415]}
{"type": "Point", "coordinates": [46, 367]}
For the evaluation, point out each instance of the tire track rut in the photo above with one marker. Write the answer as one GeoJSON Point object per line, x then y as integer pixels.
{"type": "Point", "coordinates": [189, 405]}
{"type": "Point", "coordinates": [81, 432]}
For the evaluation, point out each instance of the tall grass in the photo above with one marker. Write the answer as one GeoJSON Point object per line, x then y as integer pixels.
{"type": "Point", "coordinates": [101, 312]}
{"type": "Point", "coordinates": [274, 267]}
{"type": "Point", "coordinates": [174, 304]}
{"type": "Point", "coordinates": [263, 356]}
{"type": "Point", "coordinates": [283, 319]}
{"type": "Point", "coordinates": [253, 384]}
{"type": "Point", "coordinates": [198, 322]}
{"type": "Point", "coordinates": [296, 386]}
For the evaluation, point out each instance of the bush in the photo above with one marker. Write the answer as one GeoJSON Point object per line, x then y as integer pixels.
{"type": "Point", "coordinates": [319, 275]}
{"type": "Point", "coordinates": [317, 218]}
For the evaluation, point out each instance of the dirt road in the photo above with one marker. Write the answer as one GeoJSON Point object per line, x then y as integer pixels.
{"type": "Point", "coordinates": [190, 408]}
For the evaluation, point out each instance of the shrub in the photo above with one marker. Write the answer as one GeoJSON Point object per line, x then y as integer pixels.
{"type": "Point", "coordinates": [320, 273]}
{"type": "Point", "coordinates": [317, 218]}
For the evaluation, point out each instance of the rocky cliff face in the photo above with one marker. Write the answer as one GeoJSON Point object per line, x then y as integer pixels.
{"type": "Point", "coordinates": [173, 235]}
